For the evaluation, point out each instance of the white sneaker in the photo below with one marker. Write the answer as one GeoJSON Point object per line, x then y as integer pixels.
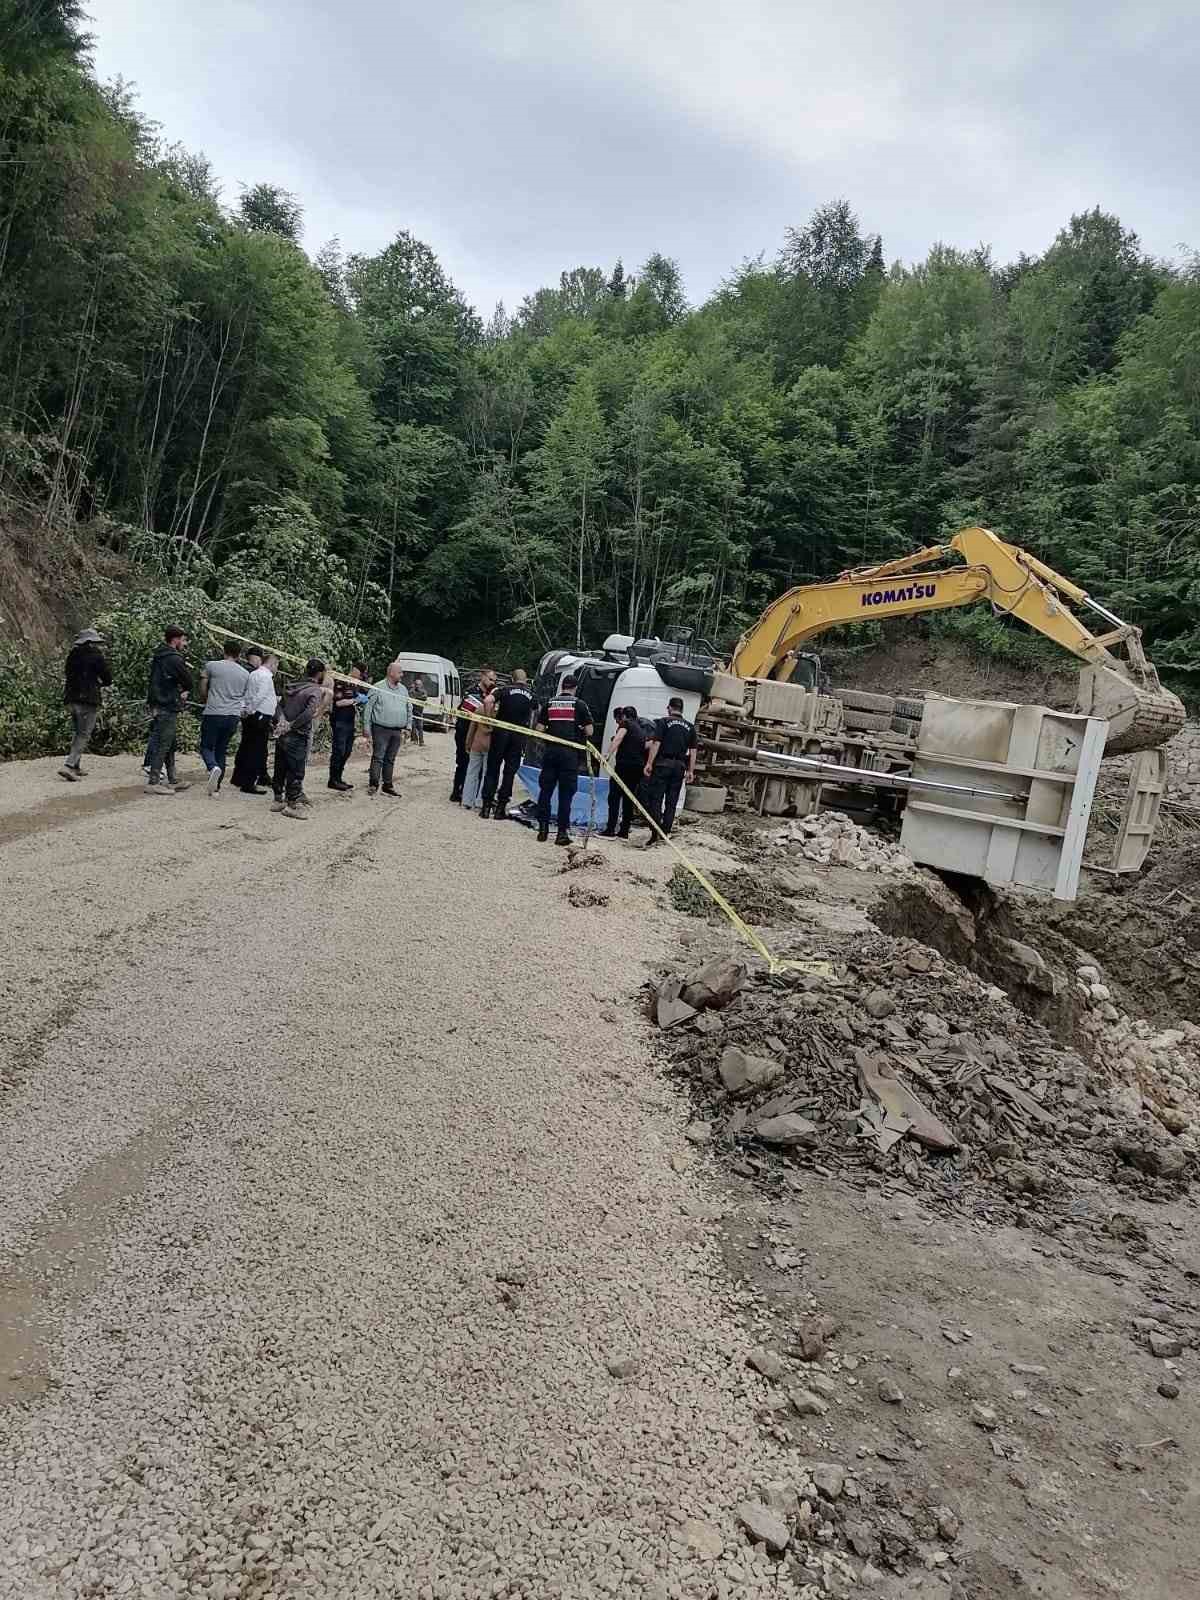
{"type": "Point", "coordinates": [214, 782]}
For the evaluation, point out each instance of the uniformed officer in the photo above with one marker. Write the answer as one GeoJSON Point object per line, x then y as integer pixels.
{"type": "Point", "coordinates": [566, 717]}
{"type": "Point", "coordinates": [515, 704]}
{"type": "Point", "coordinates": [670, 751]}
{"type": "Point", "coordinates": [628, 753]}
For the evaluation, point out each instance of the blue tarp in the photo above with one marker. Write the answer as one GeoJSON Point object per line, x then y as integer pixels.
{"type": "Point", "coordinates": [581, 806]}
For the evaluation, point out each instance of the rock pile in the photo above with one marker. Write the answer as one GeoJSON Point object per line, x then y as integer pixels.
{"type": "Point", "coordinates": [908, 1063]}
{"type": "Point", "coordinates": [1152, 1071]}
{"type": "Point", "coordinates": [831, 839]}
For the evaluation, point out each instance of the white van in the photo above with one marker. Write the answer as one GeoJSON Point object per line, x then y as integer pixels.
{"type": "Point", "coordinates": [433, 679]}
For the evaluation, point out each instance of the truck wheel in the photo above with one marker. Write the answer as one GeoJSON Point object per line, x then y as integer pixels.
{"type": "Point", "coordinates": [910, 708]}
{"type": "Point", "coordinates": [868, 722]}
{"type": "Point", "coordinates": [909, 726]}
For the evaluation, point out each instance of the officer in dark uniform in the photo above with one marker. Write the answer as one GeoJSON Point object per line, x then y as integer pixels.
{"type": "Point", "coordinates": [628, 752]}
{"type": "Point", "coordinates": [566, 717]}
{"type": "Point", "coordinates": [514, 703]}
{"type": "Point", "coordinates": [670, 751]}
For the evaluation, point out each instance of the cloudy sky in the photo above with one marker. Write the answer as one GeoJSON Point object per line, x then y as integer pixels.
{"type": "Point", "coordinates": [519, 137]}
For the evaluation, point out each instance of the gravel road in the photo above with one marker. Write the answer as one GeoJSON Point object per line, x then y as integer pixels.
{"type": "Point", "coordinates": [333, 1177]}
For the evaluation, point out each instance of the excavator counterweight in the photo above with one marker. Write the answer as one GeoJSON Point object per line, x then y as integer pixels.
{"type": "Point", "coordinates": [1126, 693]}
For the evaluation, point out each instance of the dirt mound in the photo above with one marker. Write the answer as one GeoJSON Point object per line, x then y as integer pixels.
{"type": "Point", "coordinates": [911, 662]}
{"type": "Point", "coordinates": [50, 580]}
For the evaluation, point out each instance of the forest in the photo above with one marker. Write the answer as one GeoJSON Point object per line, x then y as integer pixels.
{"type": "Point", "coordinates": [340, 448]}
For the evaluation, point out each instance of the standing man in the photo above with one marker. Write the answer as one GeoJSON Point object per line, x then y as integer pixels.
{"type": "Point", "coordinates": [479, 744]}
{"type": "Point", "coordinates": [514, 703]}
{"type": "Point", "coordinates": [223, 689]}
{"type": "Point", "coordinates": [341, 722]}
{"type": "Point", "coordinates": [418, 696]}
{"type": "Point", "coordinates": [627, 752]}
{"type": "Point", "coordinates": [87, 672]}
{"type": "Point", "coordinates": [259, 703]}
{"type": "Point", "coordinates": [386, 714]}
{"type": "Point", "coordinates": [566, 717]}
{"type": "Point", "coordinates": [471, 701]}
{"type": "Point", "coordinates": [170, 684]}
{"type": "Point", "coordinates": [670, 751]}
{"type": "Point", "coordinates": [300, 709]}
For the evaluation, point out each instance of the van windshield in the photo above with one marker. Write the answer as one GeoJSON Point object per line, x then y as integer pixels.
{"type": "Point", "coordinates": [425, 685]}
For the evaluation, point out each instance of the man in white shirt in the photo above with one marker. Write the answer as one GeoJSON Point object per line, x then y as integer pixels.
{"type": "Point", "coordinates": [250, 773]}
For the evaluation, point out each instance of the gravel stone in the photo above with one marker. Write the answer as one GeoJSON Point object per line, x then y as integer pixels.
{"type": "Point", "coordinates": [287, 1210]}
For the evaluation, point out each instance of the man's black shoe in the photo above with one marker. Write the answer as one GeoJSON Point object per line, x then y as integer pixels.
{"type": "Point", "coordinates": [562, 838]}
{"type": "Point", "coordinates": [486, 813]}
{"type": "Point", "coordinates": [456, 799]}
{"type": "Point", "coordinates": [342, 788]}
{"type": "Point", "coordinates": [608, 833]}
{"type": "Point", "coordinates": [388, 789]}
{"type": "Point", "coordinates": [543, 835]}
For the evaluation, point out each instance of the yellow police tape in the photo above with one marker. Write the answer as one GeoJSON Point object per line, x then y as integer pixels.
{"type": "Point", "coordinates": [774, 963]}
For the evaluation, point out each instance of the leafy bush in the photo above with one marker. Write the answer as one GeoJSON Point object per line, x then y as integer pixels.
{"type": "Point", "coordinates": [33, 719]}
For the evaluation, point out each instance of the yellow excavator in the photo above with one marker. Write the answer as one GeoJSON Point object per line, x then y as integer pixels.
{"type": "Point", "coordinates": [1126, 693]}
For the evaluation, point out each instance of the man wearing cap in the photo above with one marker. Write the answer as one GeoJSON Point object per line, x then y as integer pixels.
{"type": "Point", "coordinates": [87, 672]}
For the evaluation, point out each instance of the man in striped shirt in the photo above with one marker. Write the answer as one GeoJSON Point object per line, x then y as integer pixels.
{"type": "Point", "coordinates": [565, 717]}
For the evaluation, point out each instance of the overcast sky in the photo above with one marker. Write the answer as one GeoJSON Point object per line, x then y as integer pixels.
{"type": "Point", "coordinates": [521, 137]}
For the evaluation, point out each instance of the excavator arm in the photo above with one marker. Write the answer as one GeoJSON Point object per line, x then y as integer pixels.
{"type": "Point", "coordinates": [1126, 693]}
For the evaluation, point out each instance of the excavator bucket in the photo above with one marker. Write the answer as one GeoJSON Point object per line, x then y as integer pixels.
{"type": "Point", "coordinates": [1138, 718]}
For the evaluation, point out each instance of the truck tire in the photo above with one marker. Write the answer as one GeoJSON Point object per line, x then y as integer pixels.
{"type": "Point", "coordinates": [910, 727]}
{"type": "Point", "coordinates": [867, 722]}
{"type": "Point", "coordinates": [909, 708]}
{"type": "Point", "coordinates": [860, 700]}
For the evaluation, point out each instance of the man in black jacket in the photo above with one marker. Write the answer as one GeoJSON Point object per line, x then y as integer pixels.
{"type": "Point", "coordinates": [87, 673]}
{"type": "Point", "coordinates": [515, 704]}
{"type": "Point", "coordinates": [170, 685]}
{"type": "Point", "coordinates": [670, 751]}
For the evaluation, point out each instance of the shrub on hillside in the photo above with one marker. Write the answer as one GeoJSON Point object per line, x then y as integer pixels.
{"type": "Point", "coordinates": [33, 719]}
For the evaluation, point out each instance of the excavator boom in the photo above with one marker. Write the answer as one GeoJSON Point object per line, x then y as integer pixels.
{"type": "Point", "coordinates": [1126, 693]}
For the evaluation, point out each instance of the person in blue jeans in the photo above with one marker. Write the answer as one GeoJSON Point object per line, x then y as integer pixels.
{"type": "Point", "coordinates": [223, 683]}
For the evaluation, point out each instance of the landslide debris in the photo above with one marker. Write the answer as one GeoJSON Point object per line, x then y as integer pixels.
{"type": "Point", "coordinates": [905, 1064]}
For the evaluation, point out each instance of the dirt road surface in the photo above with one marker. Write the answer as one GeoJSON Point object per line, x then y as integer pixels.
{"type": "Point", "coordinates": [350, 1245]}
{"type": "Point", "coordinates": [333, 1182]}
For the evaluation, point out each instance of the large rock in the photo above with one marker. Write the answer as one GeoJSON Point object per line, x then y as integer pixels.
{"type": "Point", "coordinates": [669, 1008]}
{"type": "Point", "coordinates": [788, 1131]}
{"type": "Point", "coordinates": [1156, 1160]}
{"type": "Point", "coordinates": [763, 1526]}
{"type": "Point", "coordinates": [714, 984]}
{"type": "Point", "coordinates": [742, 1073]}
{"type": "Point", "coordinates": [830, 1479]}
{"type": "Point", "coordinates": [767, 1361]}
